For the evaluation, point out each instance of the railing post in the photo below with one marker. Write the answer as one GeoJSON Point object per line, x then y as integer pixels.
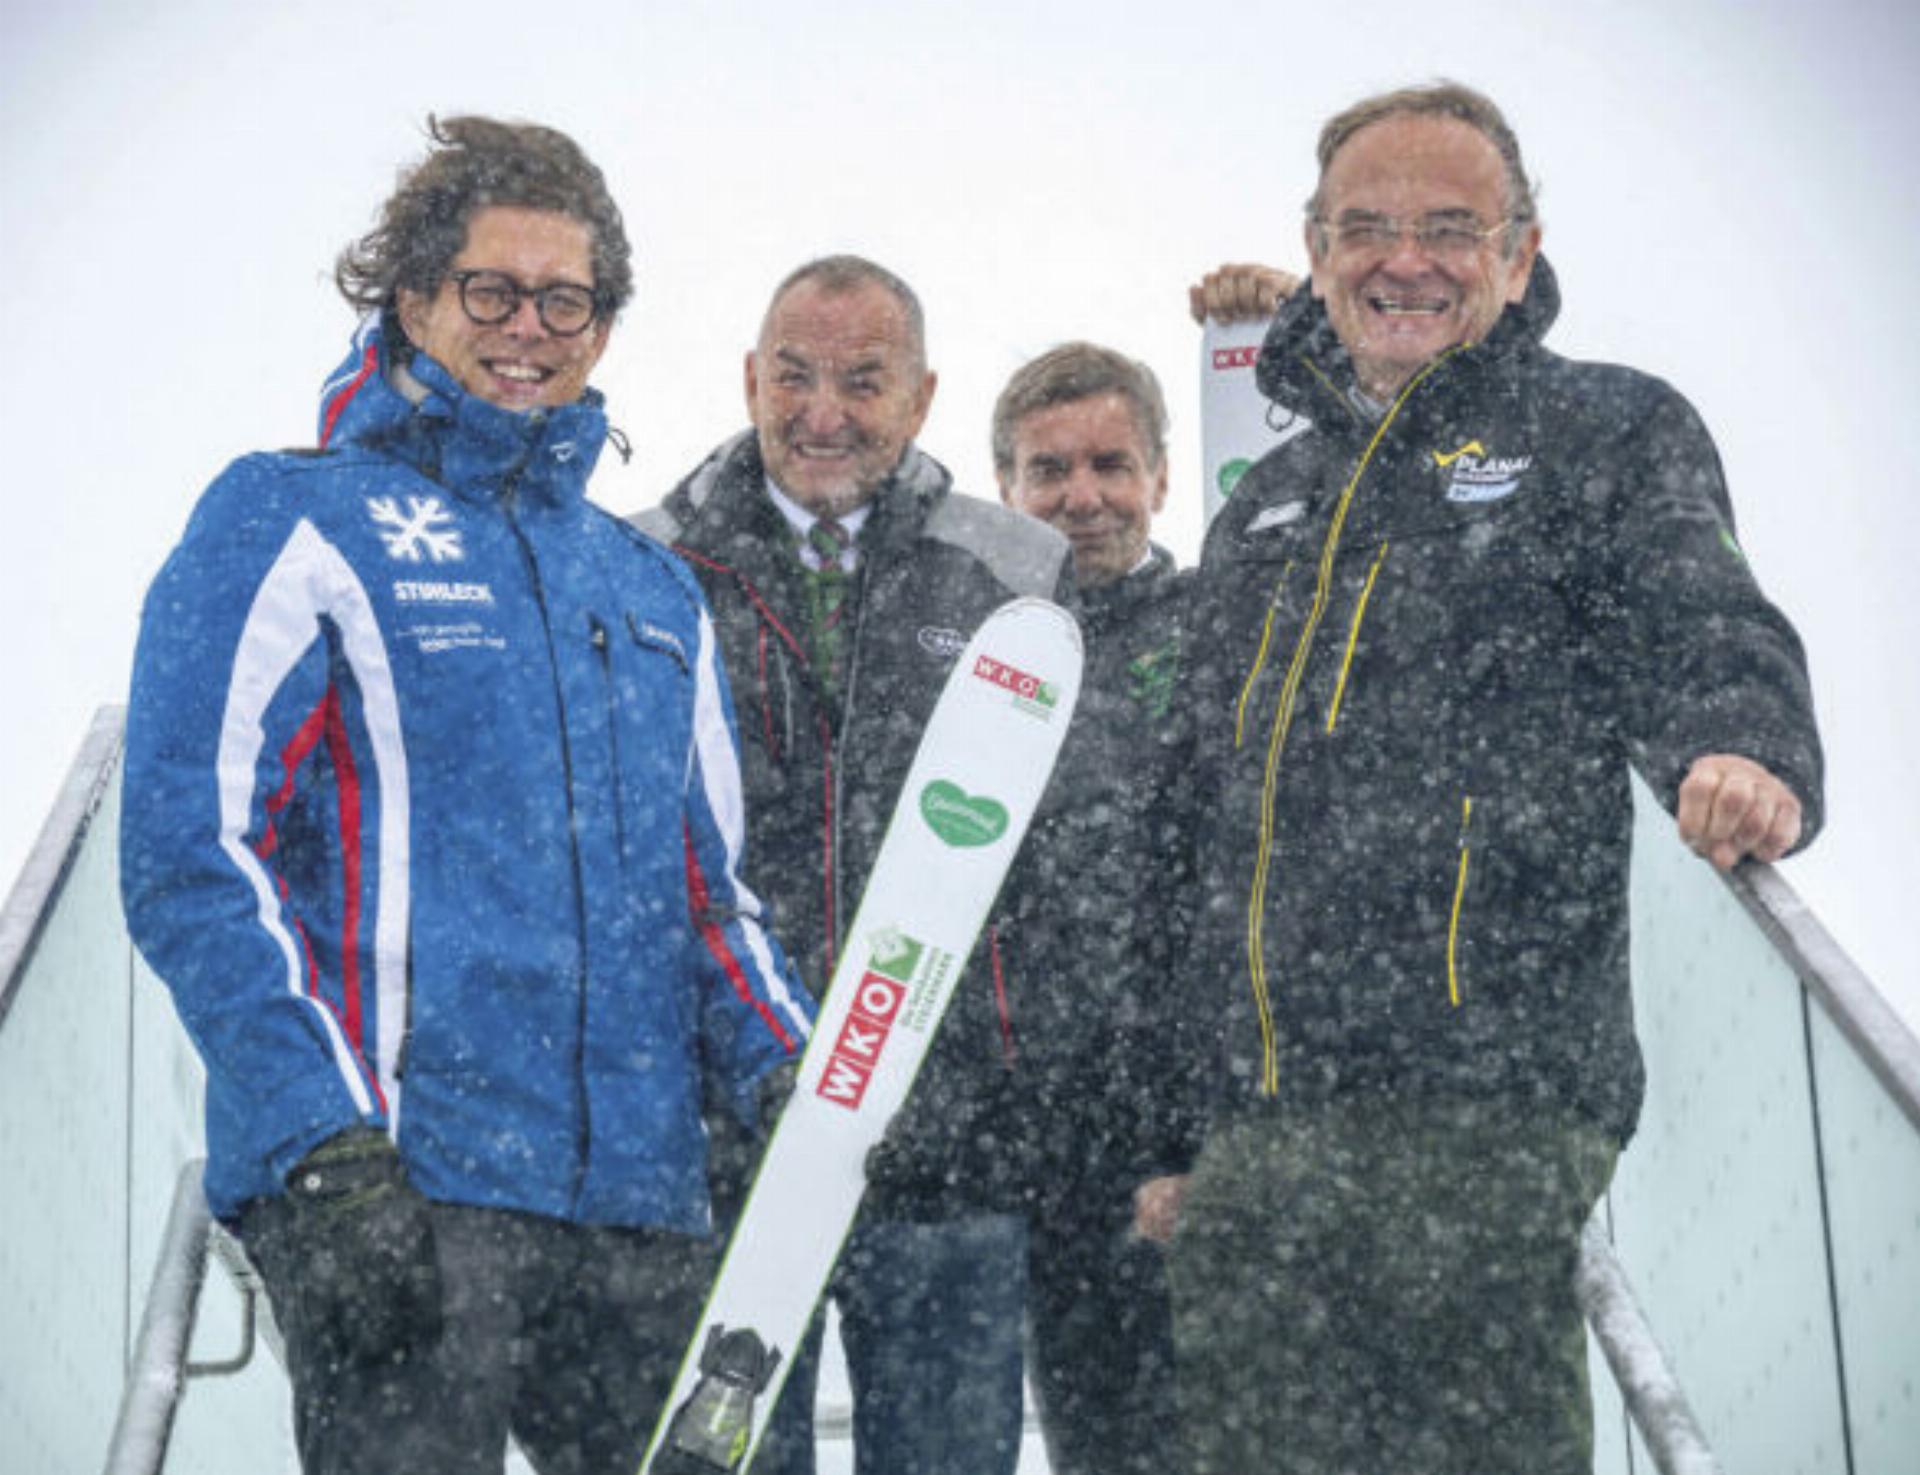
{"type": "Point", "coordinates": [1660, 1410]}
{"type": "Point", "coordinates": [157, 1374]}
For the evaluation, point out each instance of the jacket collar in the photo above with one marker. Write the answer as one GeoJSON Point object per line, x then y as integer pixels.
{"type": "Point", "coordinates": [418, 413]}
{"type": "Point", "coordinates": [723, 503]}
{"type": "Point", "coordinates": [1112, 603]}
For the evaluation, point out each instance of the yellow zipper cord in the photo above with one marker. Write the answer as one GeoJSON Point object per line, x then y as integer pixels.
{"type": "Point", "coordinates": [1260, 656]}
{"type": "Point", "coordinates": [1459, 899]}
{"type": "Point", "coordinates": [1353, 638]}
{"type": "Point", "coordinates": [1282, 721]}
{"type": "Point", "coordinates": [1325, 383]}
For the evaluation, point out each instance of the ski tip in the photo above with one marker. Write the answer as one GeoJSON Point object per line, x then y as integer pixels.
{"type": "Point", "coordinates": [1033, 607]}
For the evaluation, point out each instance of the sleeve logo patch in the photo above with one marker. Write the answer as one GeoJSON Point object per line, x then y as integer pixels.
{"type": "Point", "coordinates": [935, 640]}
{"type": "Point", "coordinates": [1278, 517]}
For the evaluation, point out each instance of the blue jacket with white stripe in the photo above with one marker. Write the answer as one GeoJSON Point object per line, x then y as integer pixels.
{"type": "Point", "coordinates": [433, 816]}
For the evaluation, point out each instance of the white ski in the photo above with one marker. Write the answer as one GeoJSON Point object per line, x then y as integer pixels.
{"type": "Point", "coordinates": [976, 778]}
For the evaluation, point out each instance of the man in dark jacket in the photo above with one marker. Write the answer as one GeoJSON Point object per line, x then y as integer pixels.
{"type": "Point", "coordinates": [1439, 623]}
{"type": "Point", "coordinates": [845, 576]}
{"type": "Point", "coordinates": [1079, 441]}
{"type": "Point", "coordinates": [432, 828]}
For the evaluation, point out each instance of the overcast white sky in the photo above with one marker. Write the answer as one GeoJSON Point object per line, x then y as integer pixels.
{"type": "Point", "coordinates": [1729, 195]}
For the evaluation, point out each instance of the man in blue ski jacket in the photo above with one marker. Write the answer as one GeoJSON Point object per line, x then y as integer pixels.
{"type": "Point", "coordinates": [434, 829]}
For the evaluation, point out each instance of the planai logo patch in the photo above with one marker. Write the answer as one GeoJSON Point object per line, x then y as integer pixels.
{"type": "Point", "coordinates": [1479, 477]}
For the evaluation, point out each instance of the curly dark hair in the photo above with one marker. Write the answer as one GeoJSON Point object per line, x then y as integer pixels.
{"type": "Point", "coordinates": [474, 163]}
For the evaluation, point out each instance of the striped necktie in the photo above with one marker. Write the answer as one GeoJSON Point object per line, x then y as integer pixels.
{"type": "Point", "coordinates": [827, 598]}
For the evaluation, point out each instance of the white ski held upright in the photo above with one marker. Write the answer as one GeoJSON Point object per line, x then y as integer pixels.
{"type": "Point", "coordinates": [978, 774]}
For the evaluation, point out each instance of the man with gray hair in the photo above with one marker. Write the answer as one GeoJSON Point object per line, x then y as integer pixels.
{"type": "Point", "coordinates": [846, 575]}
{"type": "Point", "coordinates": [1437, 624]}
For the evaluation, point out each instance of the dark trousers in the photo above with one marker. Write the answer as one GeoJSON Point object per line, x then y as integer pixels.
{"type": "Point", "coordinates": [930, 1322]}
{"type": "Point", "coordinates": [1100, 1342]}
{"type": "Point", "coordinates": [1387, 1286]}
{"type": "Point", "coordinates": [565, 1336]}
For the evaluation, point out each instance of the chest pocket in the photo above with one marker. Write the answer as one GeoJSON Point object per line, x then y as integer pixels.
{"type": "Point", "coordinates": [649, 684]}
{"type": "Point", "coordinates": [1471, 603]}
{"type": "Point", "coordinates": [656, 638]}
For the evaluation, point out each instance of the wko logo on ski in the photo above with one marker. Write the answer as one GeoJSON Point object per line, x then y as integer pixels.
{"type": "Point", "coordinates": [1031, 694]}
{"type": "Point", "coordinates": [879, 1001]}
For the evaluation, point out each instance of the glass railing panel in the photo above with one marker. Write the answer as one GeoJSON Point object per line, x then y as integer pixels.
{"type": "Point", "coordinates": [65, 1252]}
{"type": "Point", "coordinates": [1872, 1153]}
{"type": "Point", "coordinates": [1718, 1213]}
{"type": "Point", "coordinates": [228, 1425]}
{"type": "Point", "coordinates": [99, 1107]}
{"type": "Point", "coordinates": [231, 1425]}
{"type": "Point", "coordinates": [1716, 1205]}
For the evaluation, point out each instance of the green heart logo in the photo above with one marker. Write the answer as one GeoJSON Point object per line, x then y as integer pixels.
{"type": "Point", "coordinates": [959, 820]}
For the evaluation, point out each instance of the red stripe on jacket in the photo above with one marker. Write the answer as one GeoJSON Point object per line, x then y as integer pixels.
{"type": "Point", "coordinates": [347, 781]}
{"type": "Point", "coordinates": [715, 937]}
{"type": "Point", "coordinates": [369, 361]}
{"type": "Point", "coordinates": [768, 619]}
{"type": "Point", "coordinates": [325, 722]}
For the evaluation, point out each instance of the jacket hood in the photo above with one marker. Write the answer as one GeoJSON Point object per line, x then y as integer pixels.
{"type": "Point", "coordinates": [417, 411]}
{"type": "Point", "coordinates": [1302, 350]}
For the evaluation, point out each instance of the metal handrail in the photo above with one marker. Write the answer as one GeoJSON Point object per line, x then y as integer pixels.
{"type": "Point", "coordinates": [1640, 1368]}
{"type": "Point", "coordinates": [158, 1373]}
{"type": "Point", "coordinates": [160, 1368]}
{"type": "Point", "coordinates": [1878, 1035]}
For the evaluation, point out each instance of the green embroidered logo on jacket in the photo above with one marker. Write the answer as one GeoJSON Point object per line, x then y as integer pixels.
{"type": "Point", "coordinates": [1151, 678]}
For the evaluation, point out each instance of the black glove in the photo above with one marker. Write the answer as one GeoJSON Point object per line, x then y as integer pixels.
{"type": "Point", "coordinates": [370, 1286]}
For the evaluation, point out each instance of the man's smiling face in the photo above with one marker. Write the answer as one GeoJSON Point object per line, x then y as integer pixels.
{"type": "Point", "coordinates": [837, 389]}
{"type": "Point", "coordinates": [1395, 306]}
{"type": "Point", "coordinates": [517, 364]}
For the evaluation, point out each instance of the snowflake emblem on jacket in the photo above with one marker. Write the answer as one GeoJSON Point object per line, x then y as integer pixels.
{"type": "Point", "coordinates": [425, 525]}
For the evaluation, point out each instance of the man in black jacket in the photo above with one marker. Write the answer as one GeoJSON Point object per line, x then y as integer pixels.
{"type": "Point", "coordinates": [1079, 441]}
{"type": "Point", "coordinates": [845, 576]}
{"type": "Point", "coordinates": [1438, 624]}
